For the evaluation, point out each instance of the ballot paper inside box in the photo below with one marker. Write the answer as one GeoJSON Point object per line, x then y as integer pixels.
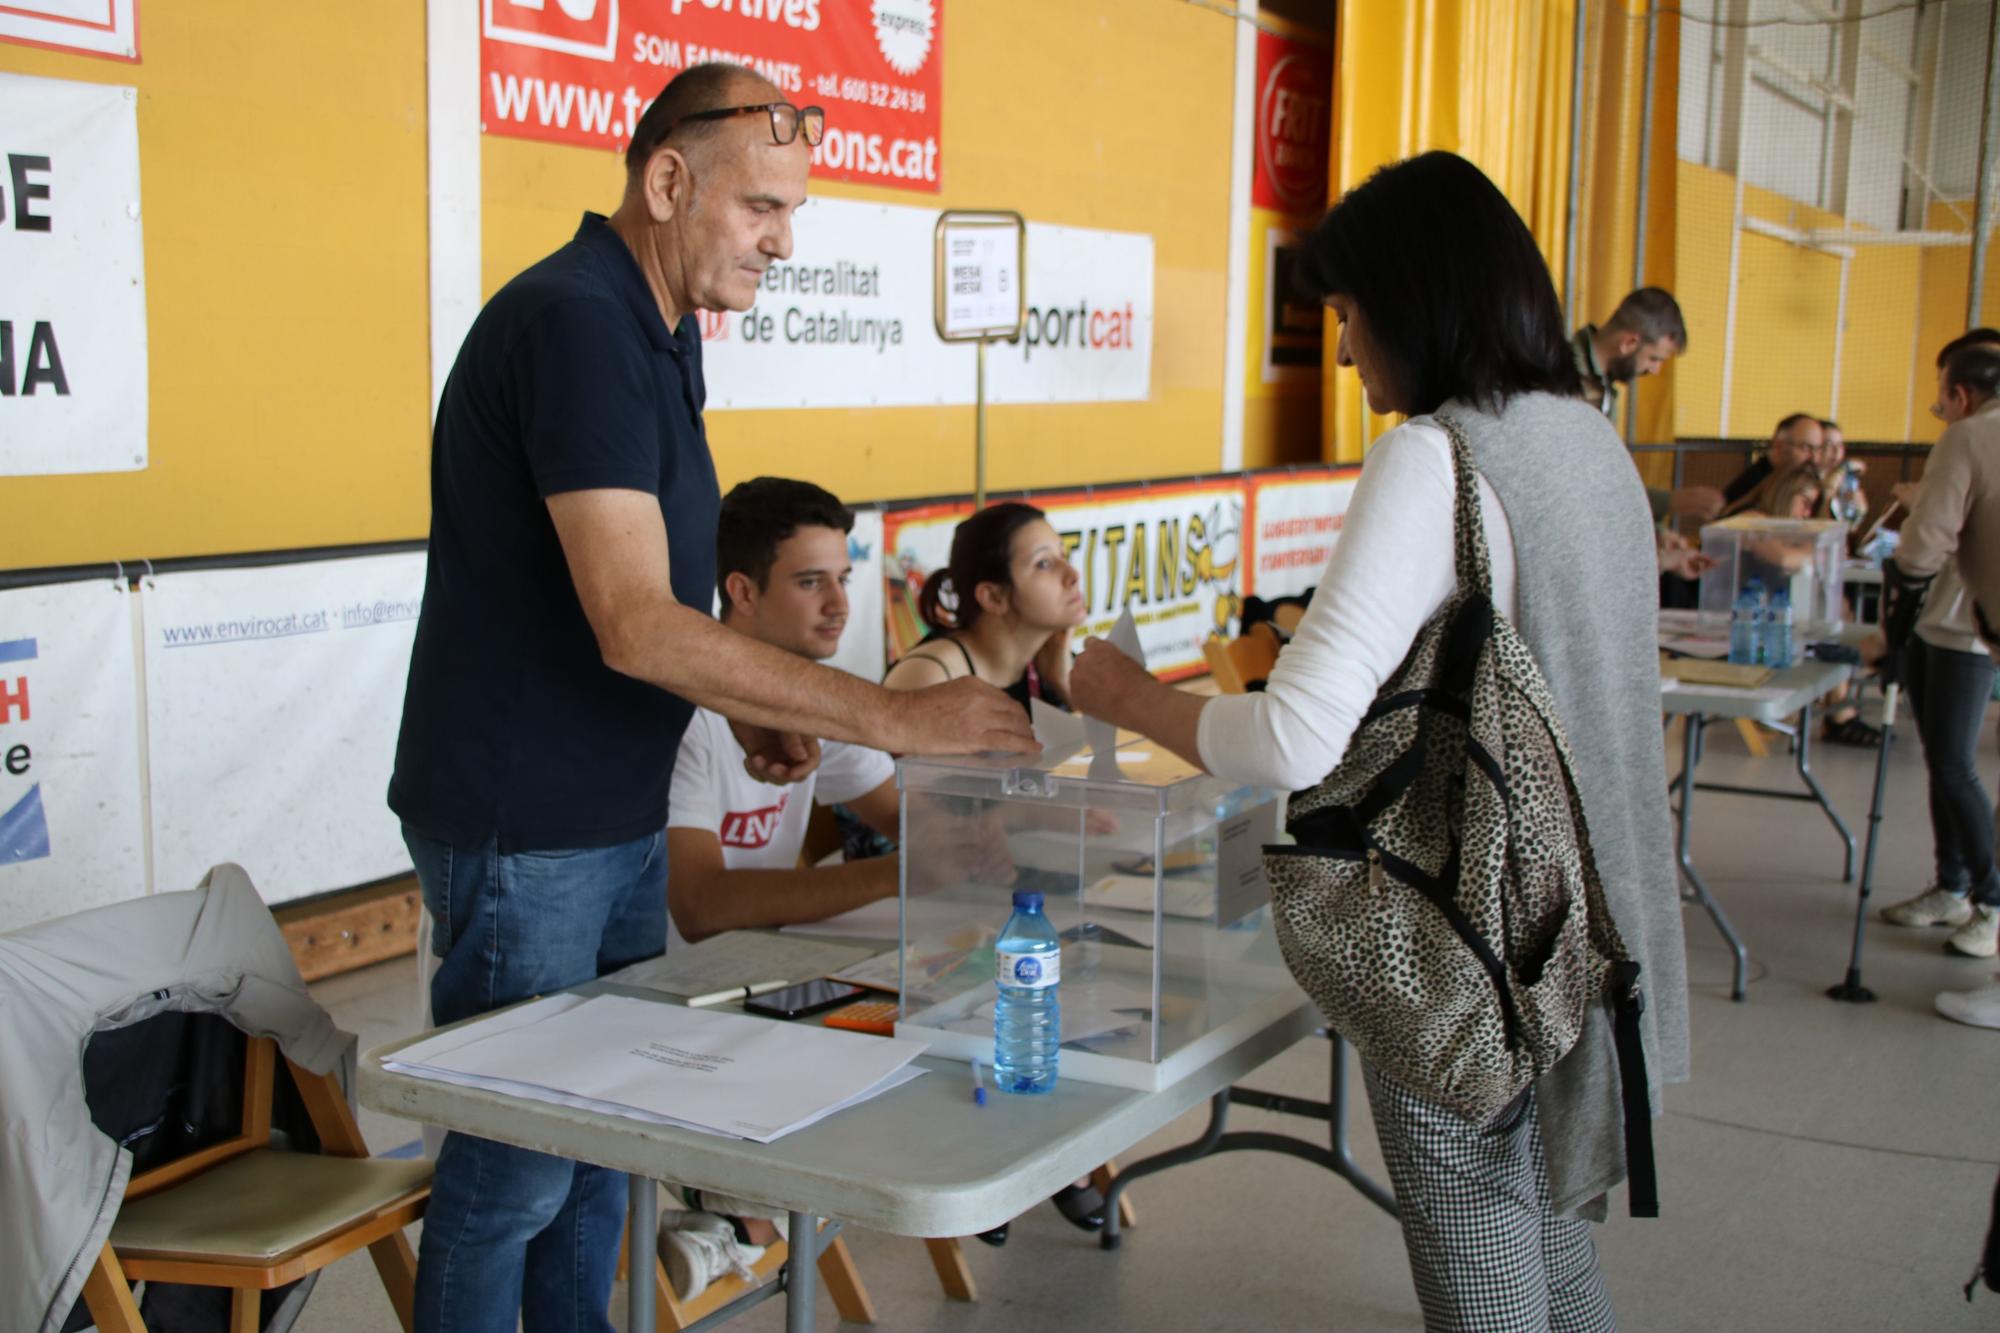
{"type": "Point", "coordinates": [1801, 557]}
{"type": "Point", "coordinates": [1153, 876]}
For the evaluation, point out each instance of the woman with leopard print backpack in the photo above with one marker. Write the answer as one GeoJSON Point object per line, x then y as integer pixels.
{"type": "Point", "coordinates": [1448, 313]}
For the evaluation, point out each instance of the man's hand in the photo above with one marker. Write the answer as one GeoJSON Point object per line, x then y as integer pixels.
{"type": "Point", "coordinates": [1106, 684]}
{"type": "Point", "coordinates": [778, 757]}
{"type": "Point", "coordinates": [1680, 556]}
{"type": "Point", "coordinates": [963, 716]}
{"type": "Point", "coordinates": [1700, 503]}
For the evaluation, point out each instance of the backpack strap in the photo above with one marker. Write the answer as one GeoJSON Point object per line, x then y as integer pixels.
{"type": "Point", "coordinates": [1474, 562]}
{"type": "Point", "coordinates": [1627, 1003]}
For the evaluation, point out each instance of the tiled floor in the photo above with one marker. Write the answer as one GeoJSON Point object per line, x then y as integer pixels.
{"type": "Point", "coordinates": [1829, 1167]}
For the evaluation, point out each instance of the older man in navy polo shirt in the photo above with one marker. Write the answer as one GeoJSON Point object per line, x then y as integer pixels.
{"type": "Point", "coordinates": [565, 641]}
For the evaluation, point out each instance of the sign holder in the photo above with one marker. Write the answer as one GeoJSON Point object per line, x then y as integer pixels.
{"type": "Point", "coordinates": [979, 268]}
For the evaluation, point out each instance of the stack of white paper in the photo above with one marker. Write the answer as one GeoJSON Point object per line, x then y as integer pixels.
{"type": "Point", "coordinates": [719, 1073]}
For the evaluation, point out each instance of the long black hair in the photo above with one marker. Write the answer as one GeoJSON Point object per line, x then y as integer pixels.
{"type": "Point", "coordinates": [1455, 294]}
{"type": "Point", "coordinates": [982, 551]}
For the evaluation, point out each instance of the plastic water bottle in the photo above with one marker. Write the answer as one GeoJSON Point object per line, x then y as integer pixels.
{"type": "Point", "coordinates": [1846, 506]}
{"type": "Point", "coordinates": [1744, 627]}
{"type": "Point", "coordinates": [1778, 631]}
{"type": "Point", "coordinates": [1026, 1019]}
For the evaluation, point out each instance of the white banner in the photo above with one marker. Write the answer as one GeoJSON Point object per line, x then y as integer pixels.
{"type": "Point", "coordinates": [72, 826]}
{"type": "Point", "coordinates": [72, 280]}
{"type": "Point", "coordinates": [861, 647]}
{"type": "Point", "coordinates": [1294, 523]}
{"type": "Point", "coordinates": [847, 321]}
{"type": "Point", "coordinates": [273, 698]}
{"type": "Point", "coordinates": [101, 27]}
{"type": "Point", "coordinates": [1170, 552]}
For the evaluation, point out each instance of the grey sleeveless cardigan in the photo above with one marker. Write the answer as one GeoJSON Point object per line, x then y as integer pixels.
{"type": "Point", "coordinates": [1588, 589]}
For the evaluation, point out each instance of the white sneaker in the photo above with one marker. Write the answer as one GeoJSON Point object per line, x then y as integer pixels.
{"type": "Point", "coordinates": [699, 1248]}
{"type": "Point", "coordinates": [1975, 1008]}
{"type": "Point", "coordinates": [1979, 937]}
{"type": "Point", "coordinates": [1932, 907]}
{"type": "Point", "coordinates": [729, 1205]}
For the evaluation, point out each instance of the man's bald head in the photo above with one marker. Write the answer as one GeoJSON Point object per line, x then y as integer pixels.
{"type": "Point", "coordinates": [708, 203]}
{"type": "Point", "coordinates": [708, 87]}
{"type": "Point", "coordinates": [1796, 442]}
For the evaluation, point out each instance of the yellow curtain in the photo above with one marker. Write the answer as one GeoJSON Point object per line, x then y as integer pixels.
{"type": "Point", "coordinates": [1491, 81]}
{"type": "Point", "coordinates": [1487, 79]}
{"type": "Point", "coordinates": [1608, 204]}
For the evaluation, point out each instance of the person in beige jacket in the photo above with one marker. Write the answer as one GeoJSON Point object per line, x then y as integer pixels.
{"type": "Point", "coordinates": [1954, 531]}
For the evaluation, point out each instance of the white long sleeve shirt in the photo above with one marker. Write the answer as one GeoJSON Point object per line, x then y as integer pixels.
{"type": "Point", "coordinates": [1391, 571]}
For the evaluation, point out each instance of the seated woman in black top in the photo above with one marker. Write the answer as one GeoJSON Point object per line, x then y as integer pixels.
{"type": "Point", "coordinates": [1002, 609]}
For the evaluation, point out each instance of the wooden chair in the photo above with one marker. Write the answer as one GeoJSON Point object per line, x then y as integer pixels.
{"type": "Point", "coordinates": [1239, 663]}
{"type": "Point", "coordinates": [243, 1215]}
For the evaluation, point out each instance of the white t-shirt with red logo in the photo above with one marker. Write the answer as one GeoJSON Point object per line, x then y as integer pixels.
{"type": "Point", "coordinates": [760, 826]}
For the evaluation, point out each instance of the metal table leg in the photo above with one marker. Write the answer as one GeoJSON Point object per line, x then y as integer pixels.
{"type": "Point", "coordinates": [802, 1273]}
{"type": "Point", "coordinates": [1690, 756]}
{"type": "Point", "coordinates": [1344, 1164]}
{"type": "Point", "coordinates": [1218, 1117]}
{"type": "Point", "coordinates": [1338, 1158]}
{"type": "Point", "coordinates": [642, 1231]}
{"type": "Point", "coordinates": [1819, 793]}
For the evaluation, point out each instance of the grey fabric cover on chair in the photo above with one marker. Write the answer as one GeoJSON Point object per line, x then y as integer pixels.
{"type": "Point", "coordinates": [214, 949]}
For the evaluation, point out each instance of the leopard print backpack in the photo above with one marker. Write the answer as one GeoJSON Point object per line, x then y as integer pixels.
{"type": "Point", "coordinates": [1441, 904]}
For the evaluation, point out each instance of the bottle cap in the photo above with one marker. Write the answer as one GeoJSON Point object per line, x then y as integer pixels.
{"type": "Point", "coordinates": [1028, 900]}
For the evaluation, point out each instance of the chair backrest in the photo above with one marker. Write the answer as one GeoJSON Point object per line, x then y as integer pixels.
{"type": "Point", "coordinates": [1241, 663]}
{"type": "Point", "coordinates": [211, 950]}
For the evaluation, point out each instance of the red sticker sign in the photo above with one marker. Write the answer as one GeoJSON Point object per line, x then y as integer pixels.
{"type": "Point", "coordinates": [582, 71]}
{"type": "Point", "coordinates": [1294, 113]}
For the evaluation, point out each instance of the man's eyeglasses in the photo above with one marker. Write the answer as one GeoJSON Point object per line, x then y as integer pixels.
{"type": "Point", "coordinates": [788, 122]}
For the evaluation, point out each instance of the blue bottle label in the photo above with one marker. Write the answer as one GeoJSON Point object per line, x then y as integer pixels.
{"type": "Point", "coordinates": [1030, 971]}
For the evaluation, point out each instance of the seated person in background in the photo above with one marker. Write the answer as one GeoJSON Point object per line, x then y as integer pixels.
{"type": "Point", "coordinates": [1795, 443]}
{"type": "Point", "coordinates": [733, 842]}
{"type": "Point", "coordinates": [1794, 493]}
{"type": "Point", "coordinates": [1002, 609]}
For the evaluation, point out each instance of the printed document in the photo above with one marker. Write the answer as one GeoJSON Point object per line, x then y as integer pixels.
{"type": "Point", "coordinates": [723, 1073]}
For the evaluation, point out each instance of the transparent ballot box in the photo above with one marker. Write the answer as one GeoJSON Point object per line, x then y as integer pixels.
{"type": "Point", "coordinates": [1153, 876]}
{"type": "Point", "coordinates": [1802, 557]}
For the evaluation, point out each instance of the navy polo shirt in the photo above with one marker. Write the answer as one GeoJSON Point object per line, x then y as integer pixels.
{"type": "Point", "coordinates": [513, 727]}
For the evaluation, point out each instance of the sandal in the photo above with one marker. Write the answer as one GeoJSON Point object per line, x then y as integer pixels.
{"type": "Point", "coordinates": [1082, 1205]}
{"type": "Point", "coordinates": [1851, 730]}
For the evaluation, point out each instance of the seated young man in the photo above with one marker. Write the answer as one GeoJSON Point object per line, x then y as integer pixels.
{"type": "Point", "coordinates": [733, 842]}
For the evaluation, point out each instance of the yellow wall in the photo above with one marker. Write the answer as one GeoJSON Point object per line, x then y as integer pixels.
{"type": "Point", "coordinates": [1115, 116]}
{"type": "Point", "coordinates": [281, 167]}
{"type": "Point", "coordinates": [1903, 303]}
{"type": "Point", "coordinates": [1943, 276]}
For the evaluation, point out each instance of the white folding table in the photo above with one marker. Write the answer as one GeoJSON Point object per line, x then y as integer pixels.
{"type": "Point", "coordinates": [1792, 691]}
{"type": "Point", "coordinates": [921, 1160]}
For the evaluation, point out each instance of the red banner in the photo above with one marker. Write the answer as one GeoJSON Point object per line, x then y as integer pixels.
{"type": "Point", "coordinates": [1294, 115]}
{"type": "Point", "coordinates": [582, 71]}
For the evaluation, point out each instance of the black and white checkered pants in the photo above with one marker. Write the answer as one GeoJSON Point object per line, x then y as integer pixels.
{"type": "Point", "coordinates": [1485, 1251]}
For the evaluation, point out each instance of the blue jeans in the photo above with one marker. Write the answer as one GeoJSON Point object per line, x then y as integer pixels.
{"type": "Point", "coordinates": [512, 1233]}
{"type": "Point", "coordinates": [1949, 692]}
